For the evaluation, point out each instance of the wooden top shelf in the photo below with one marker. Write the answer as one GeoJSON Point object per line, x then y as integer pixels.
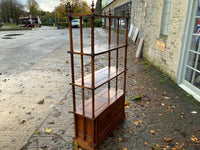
{"type": "Point", "coordinates": [101, 102]}
{"type": "Point", "coordinates": [99, 49]}
{"type": "Point", "coordinates": [102, 76]}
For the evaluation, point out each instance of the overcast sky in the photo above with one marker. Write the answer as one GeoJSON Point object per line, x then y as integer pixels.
{"type": "Point", "coordinates": [48, 5]}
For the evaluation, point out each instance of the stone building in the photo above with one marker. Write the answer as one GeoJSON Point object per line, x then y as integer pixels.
{"type": "Point", "coordinates": [171, 32]}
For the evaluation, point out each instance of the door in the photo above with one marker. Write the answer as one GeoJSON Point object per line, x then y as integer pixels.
{"type": "Point", "coordinates": [189, 74]}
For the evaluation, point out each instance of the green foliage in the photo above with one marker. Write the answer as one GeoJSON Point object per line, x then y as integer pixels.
{"type": "Point", "coordinates": [33, 7]}
{"type": "Point", "coordinates": [162, 81]}
{"type": "Point", "coordinates": [147, 63]}
{"type": "Point", "coordinates": [98, 23]}
{"type": "Point", "coordinates": [10, 11]}
{"type": "Point", "coordinates": [189, 95]}
{"type": "Point", "coordinates": [63, 24]}
{"type": "Point", "coordinates": [45, 18]}
{"type": "Point", "coordinates": [10, 25]}
{"type": "Point", "coordinates": [75, 145]}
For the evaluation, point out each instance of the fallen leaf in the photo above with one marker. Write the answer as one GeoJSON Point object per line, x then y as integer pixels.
{"type": "Point", "coordinates": [193, 112]}
{"type": "Point", "coordinates": [127, 103]}
{"type": "Point", "coordinates": [11, 112]}
{"type": "Point", "coordinates": [23, 121]}
{"type": "Point", "coordinates": [195, 139]}
{"type": "Point", "coordinates": [28, 113]}
{"type": "Point", "coordinates": [154, 148]}
{"type": "Point", "coordinates": [48, 130]}
{"type": "Point", "coordinates": [5, 80]}
{"type": "Point", "coordinates": [164, 146]}
{"type": "Point", "coordinates": [67, 61]}
{"type": "Point", "coordinates": [124, 149]}
{"type": "Point", "coordinates": [59, 88]}
{"type": "Point", "coordinates": [61, 103]}
{"type": "Point", "coordinates": [127, 107]}
{"type": "Point", "coordinates": [167, 97]}
{"type": "Point", "coordinates": [152, 132]}
{"type": "Point", "coordinates": [178, 147]}
{"type": "Point", "coordinates": [145, 143]}
{"type": "Point", "coordinates": [41, 101]}
{"type": "Point", "coordinates": [37, 132]}
{"type": "Point", "coordinates": [65, 98]}
{"type": "Point", "coordinates": [59, 70]}
{"type": "Point", "coordinates": [138, 97]}
{"type": "Point", "coordinates": [168, 139]}
{"type": "Point", "coordinates": [11, 128]}
{"type": "Point", "coordinates": [161, 114]}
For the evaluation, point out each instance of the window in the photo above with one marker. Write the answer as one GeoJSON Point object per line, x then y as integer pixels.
{"type": "Point", "coordinates": [166, 16]}
{"type": "Point", "coordinates": [122, 11]}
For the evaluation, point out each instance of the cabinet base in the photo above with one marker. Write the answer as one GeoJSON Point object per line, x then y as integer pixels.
{"type": "Point", "coordinates": [91, 133]}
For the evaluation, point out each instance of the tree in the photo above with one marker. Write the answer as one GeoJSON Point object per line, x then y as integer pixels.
{"type": "Point", "coordinates": [61, 12]}
{"type": "Point", "coordinates": [33, 7]}
{"type": "Point", "coordinates": [11, 10]}
{"type": "Point", "coordinates": [77, 6]}
{"type": "Point", "coordinates": [98, 9]}
{"type": "Point", "coordinates": [47, 15]}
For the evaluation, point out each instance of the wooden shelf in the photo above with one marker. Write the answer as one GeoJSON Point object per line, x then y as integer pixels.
{"type": "Point", "coordinates": [99, 49]}
{"type": "Point", "coordinates": [102, 76]}
{"type": "Point", "coordinates": [102, 101]}
{"type": "Point", "coordinates": [96, 118]}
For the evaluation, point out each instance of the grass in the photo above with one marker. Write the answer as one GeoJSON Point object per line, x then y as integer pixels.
{"type": "Point", "coordinates": [10, 25]}
{"type": "Point", "coordinates": [147, 63]}
{"type": "Point", "coordinates": [162, 81]}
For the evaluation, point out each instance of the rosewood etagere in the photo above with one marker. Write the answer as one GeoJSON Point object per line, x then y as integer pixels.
{"type": "Point", "coordinates": [95, 119]}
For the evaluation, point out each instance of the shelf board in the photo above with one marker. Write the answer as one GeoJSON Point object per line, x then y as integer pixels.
{"type": "Point", "coordinates": [101, 102]}
{"type": "Point", "coordinates": [99, 49]}
{"type": "Point", "coordinates": [102, 76]}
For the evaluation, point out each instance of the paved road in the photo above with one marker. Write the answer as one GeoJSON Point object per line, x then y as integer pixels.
{"type": "Point", "coordinates": [28, 47]}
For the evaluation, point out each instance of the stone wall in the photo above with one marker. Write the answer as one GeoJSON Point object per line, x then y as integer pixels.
{"type": "Point", "coordinates": [147, 15]}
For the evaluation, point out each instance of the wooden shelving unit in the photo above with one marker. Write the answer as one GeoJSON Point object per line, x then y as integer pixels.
{"type": "Point", "coordinates": [98, 116]}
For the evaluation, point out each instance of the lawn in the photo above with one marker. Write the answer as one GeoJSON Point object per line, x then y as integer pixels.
{"type": "Point", "coordinates": [10, 25]}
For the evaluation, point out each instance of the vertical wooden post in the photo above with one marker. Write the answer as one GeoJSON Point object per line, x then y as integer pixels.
{"type": "Point", "coordinates": [117, 55]}
{"type": "Point", "coordinates": [82, 76]}
{"type": "Point", "coordinates": [72, 68]}
{"type": "Point", "coordinates": [82, 65]}
{"type": "Point", "coordinates": [109, 53]}
{"type": "Point", "coordinates": [93, 70]}
{"type": "Point", "coordinates": [92, 57]}
{"type": "Point", "coordinates": [125, 60]}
